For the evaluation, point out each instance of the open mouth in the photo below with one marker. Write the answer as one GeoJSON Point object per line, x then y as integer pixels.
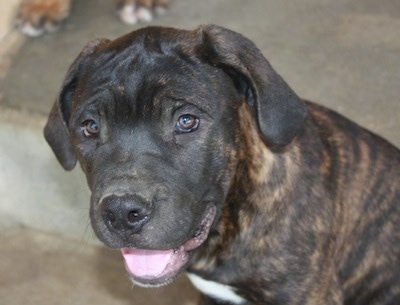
{"type": "Point", "coordinates": [152, 268]}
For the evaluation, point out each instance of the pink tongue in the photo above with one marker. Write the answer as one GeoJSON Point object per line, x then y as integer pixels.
{"type": "Point", "coordinates": [146, 263]}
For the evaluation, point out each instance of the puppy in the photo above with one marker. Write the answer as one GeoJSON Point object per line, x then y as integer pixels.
{"type": "Point", "coordinates": [200, 158]}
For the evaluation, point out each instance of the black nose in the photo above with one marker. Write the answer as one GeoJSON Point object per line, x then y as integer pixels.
{"type": "Point", "coordinates": [127, 212]}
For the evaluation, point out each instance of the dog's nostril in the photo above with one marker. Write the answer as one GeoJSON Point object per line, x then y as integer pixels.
{"type": "Point", "coordinates": [133, 216]}
{"type": "Point", "coordinates": [111, 217]}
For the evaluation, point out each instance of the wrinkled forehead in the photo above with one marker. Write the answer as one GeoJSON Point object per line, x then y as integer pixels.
{"type": "Point", "coordinates": [141, 79]}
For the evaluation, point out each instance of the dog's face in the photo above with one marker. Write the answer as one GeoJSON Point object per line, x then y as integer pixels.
{"type": "Point", "coordinates": [148, 133]}
{"type": "Point", "coordinates": [153, 118]}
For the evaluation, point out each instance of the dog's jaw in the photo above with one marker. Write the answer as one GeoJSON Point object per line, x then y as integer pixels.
{"type": "Point", "coordinates": [154, 268]}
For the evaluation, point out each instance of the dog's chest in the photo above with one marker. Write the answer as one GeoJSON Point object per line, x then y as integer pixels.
{"type": "Point", "coordinates": [216, 290]}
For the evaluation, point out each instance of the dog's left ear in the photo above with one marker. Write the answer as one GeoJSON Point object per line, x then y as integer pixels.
{"type": "Point", "coordinates": [281, 113]}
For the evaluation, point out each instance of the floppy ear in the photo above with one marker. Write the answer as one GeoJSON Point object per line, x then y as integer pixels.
{"type": "Point", "coordinates": [57, 135]}
{"type": "Point", "coordinates": [280, 112]}
{"type": "Point", "coordinates": [56, 130]}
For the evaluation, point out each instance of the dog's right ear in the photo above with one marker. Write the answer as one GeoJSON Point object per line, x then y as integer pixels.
{"type": "Point", "coordinates": [56, 130]}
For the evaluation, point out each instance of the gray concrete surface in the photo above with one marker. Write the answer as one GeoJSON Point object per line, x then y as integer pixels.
{"type": "Point", "coordinates": [343, 54]}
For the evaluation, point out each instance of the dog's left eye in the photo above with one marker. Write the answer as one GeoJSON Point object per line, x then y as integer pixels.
{"type": "Point", "coordinates": [187, 123]}
{"type": "Point", "coordinates": [90, 128]}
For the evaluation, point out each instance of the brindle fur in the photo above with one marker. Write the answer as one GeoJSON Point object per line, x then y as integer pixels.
{"type": "Point", "coordinates": [311, 211]}
{"type": "Point", "coordinates": [320, 227]}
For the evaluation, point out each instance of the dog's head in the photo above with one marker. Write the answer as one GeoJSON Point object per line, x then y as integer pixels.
{"type": "Point", "coordinates": [153, 118]}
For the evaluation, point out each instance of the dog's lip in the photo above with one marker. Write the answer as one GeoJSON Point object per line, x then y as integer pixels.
{"type": "Point", "coordinates": [151, 268]}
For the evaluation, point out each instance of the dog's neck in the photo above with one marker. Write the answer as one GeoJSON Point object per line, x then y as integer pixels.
{"type": "Point", "coordinates": [259, 175]}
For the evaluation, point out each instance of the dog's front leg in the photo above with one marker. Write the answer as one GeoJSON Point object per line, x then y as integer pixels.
{"type": "Point", "coordinates": [36, 17]}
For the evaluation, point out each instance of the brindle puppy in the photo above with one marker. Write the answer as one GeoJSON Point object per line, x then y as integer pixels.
{"type": "Point", "coordinates": [201, 158]}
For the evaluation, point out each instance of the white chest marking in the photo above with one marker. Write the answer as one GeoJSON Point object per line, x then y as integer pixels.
{"type": "Point", "coordinates": [216, 290]}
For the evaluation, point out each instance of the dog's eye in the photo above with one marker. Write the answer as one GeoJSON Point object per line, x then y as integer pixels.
{"type": "Point", "coordinates": [90, 128]}
{"type": "Point", "coordinates": [187, 123]}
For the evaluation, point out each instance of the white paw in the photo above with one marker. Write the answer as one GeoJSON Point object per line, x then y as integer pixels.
{"type": "Point", "coordinates": [128, 15]}
{"type": "Point", "coordinates": [131, 13]}
{"type": "Point", "coordinates": [31, 31]}
{"type": "Point", "coordinates": [144, 14]}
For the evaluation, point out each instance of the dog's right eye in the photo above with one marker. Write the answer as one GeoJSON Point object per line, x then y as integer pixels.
{"type": "Point", "coordinates": [90, 128]}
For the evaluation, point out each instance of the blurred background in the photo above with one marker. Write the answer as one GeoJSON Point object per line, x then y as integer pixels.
{"type": "Point", "coordinates": [342, 54]}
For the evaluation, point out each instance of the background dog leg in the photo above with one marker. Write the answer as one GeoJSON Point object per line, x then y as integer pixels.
{"type": "Point", "coordinates": [36, 17]}
{"type": "Point", "coordinates": [132, 11]}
